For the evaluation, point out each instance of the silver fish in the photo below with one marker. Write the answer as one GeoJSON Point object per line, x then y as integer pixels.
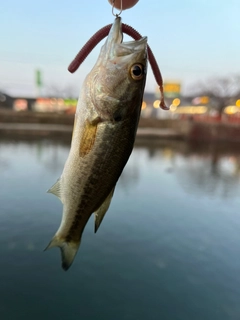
{"type": "Point", "coordinates": [105, 126]}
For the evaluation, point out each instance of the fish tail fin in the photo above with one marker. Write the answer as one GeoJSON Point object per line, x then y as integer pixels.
{"type": "Point", "coordinates": [68, 250]}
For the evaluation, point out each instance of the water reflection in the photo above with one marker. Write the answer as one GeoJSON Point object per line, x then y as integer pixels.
{"type": "Point", "coordinates": [209, 175]}
{"type": "Point", "coordinates": [168, 247]}
{"type": "Point", "coordinates": [199, 169]}
{"type": "Point", "coordinates": [53, 157]}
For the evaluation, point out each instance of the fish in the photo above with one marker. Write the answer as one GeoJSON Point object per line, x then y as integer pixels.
{"type": "Point", "coordinates": [104, 131]}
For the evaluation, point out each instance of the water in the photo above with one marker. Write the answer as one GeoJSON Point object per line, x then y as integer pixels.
{"type": "Point", "coordinates": [169, 247]}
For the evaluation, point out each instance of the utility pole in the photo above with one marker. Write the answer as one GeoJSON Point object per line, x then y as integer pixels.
{"type": "Point", "coordinates": [38, 82]}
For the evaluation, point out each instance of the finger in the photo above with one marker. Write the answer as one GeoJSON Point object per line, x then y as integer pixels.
{"type": "Point", "coordinates": [126, 4]}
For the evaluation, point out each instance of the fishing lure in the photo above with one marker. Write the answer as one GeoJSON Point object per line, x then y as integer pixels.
{"type": "Point", "coordinates": [100, 35]}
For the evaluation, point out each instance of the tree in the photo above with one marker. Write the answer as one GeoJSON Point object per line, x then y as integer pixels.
{"type": "Point", "coordinates": [221, 91]}
{"type": "Point", "coordinates": [61, 92]}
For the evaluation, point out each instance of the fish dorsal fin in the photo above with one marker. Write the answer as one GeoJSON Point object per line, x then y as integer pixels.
{"type": "Point", "coordinates": [100, 213]}
{"type": "Point", "coordinates": [56, 189]}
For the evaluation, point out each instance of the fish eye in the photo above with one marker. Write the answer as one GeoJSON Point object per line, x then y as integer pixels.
{"type": "Point", "coordinates": [137, 71]}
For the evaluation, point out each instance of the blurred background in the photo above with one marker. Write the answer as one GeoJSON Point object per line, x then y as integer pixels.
{"type": "Point", "coordinates": [196, 46]}
{"type": "Point", "coordinates": [168, 247]}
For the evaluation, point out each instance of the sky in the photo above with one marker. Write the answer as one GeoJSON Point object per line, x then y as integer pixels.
{"type": "Point", "coordinates": [192, 40]}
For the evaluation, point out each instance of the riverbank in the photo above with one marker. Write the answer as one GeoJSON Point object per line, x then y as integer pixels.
{"type": "Point", "coordinates": [60, 125]}
{"type": "Point", "coordinates": [57, 124]}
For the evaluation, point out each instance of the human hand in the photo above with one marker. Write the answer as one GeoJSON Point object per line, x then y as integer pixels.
{"type": "Point", "coordinates": [126, 4]}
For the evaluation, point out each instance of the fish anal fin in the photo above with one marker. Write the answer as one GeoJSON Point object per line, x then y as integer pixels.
{"type": "Point", "coordinates": [68, 250]}
{"type": "Point", "coordinates": [56, 189]}
{"type": "Point", "coordinates": [100, 212]}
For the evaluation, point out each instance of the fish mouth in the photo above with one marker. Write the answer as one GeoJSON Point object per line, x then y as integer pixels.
{"type": "Point", "coordinates": [115, 34]}
{"type": "Point", "coordinates": [115, 45]}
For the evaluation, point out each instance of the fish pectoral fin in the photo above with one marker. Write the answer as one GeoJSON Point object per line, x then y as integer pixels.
{"type": "Point", "coordinates": [56, 189]}
{"type": "Point", "coordinates": [100, 213]}
{"type": "Point", "coordinates": [68, 250]}
{"type": "Point", "coordinates": [89, 135]}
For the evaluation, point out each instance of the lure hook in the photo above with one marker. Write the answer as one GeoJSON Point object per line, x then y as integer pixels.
{"type": "Point", "coordinates": [116, 14]}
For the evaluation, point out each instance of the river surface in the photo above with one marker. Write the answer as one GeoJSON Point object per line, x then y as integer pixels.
{"type": "Point", "coordinates": [168, 248]}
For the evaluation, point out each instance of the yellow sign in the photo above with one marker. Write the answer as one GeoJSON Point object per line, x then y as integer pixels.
{"type": "Point", "coordinates": [172, 89]}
